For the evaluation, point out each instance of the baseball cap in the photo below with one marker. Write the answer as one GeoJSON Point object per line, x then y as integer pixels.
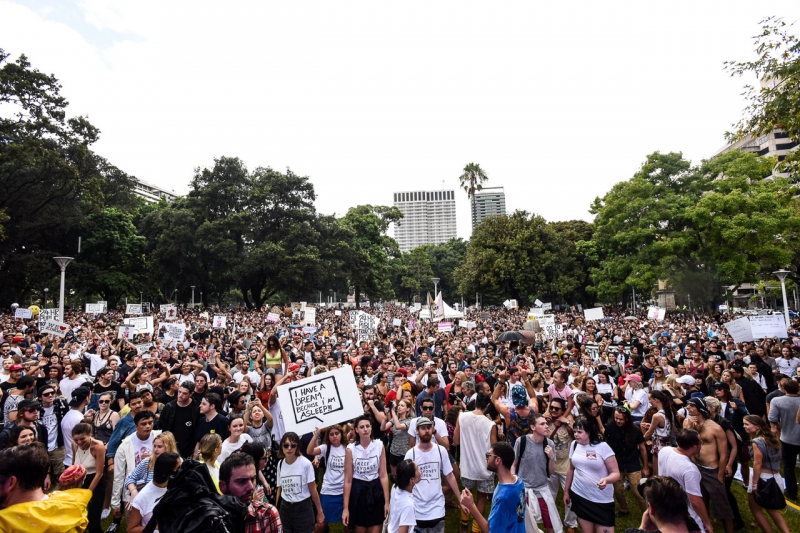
{"type": "Point", "coordinates": [721, 385]}
{"type": "Point", "coordinates": [431, 339]}
{"type": "Point", "coordinates": [78, 396]}
{"type": "Point", "coordinates": [424, 421]}
{"type": "Point", "coordinates": [28, 404]}
{"type": "Point", "coordinates": [633, 377]}
{"type": "Point", "coordinates": [685, 380]}
{"type": "Point", "coordinates": [15, 368]}
{"type": "Point", "coordinates": [294, 367]}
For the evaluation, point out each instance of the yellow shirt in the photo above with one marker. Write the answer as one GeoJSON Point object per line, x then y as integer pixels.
{"type": "Point", "coordinates": [61, 512]}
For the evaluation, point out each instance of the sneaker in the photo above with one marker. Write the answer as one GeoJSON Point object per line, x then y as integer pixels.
{"type": "Point", "coordinates": [105, 514]}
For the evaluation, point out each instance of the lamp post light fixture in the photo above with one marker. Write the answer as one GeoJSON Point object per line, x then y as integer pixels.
{"type": "Point", "coordinates": [46, 290]}
{"type": "Point", "coordinates": [781, 275]}
{"type": "Point", "coordinates": [175, 297]}
{"type": "Point", "coordinates": [62, 262]}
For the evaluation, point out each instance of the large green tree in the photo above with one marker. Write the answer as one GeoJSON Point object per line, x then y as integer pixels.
{"type": "Point", "coordinates": [444, 259]}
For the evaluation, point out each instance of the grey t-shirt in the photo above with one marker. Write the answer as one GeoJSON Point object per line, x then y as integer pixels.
{"type": "Point", "coordinates": [784, 410]}
{"type": "Point", "coordinates": [532, 466]}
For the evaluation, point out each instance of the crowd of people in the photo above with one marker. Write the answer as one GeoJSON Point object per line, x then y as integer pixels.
{"type": "Point", "coordinates": [176, 434]}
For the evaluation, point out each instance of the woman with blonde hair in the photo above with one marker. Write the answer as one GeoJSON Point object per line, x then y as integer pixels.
{"type": "Point", "coordinates": [210, 448]}
{"type": "Point", "coordinates": [736, 389]}
{"type": "Point", "coordinates": [143, 473]}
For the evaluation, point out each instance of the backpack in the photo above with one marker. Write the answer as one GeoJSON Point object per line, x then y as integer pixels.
{"type": "Point", "coordinates": [523, 442]}
{"type": "Point", "coordinates": [192, 505]}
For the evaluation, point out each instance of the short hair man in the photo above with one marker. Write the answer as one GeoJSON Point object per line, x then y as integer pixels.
{"type": "Point", "coordinates": [677, 464]}
{"type": "Point", "coordinates": [237, 478]}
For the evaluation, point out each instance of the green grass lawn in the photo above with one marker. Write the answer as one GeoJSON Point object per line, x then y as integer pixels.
{"type": "Point", "coordinates": [632, 520]}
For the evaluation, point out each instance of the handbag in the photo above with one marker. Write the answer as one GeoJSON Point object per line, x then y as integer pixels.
{"type": "Point", "coordinates": [768, 495]}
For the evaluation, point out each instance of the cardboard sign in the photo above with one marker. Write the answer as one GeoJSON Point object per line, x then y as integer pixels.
{"type": "Point", "coordinates": [354, 319]}
{"type": "Point", "coordinates": [219, 321]}
{"type": "Point", "coordinates": [537, 303]}
{"type": "Point", "coordinates": [21, 312]}
{"type": "Point", "coordinates": [104, 304]}
{"type": "Point", "coordinates": [740, 330]}
{"type": "Point", "coordinates": [174, 332]}
{"type": "Point", "coordinates": [145, 307]}
{"type": "Point", "coordinates": [94, 308]}
{"type": "Point", "coordinates": [549, 327]}
{"type": "Point", "coordinates": [595, 313]}
{"type": "Point", "coordinates": [767, 326]}
{"type": "Point", "coordinates": [417, 306]}
{"type": "Point", "coordinates": [320, 401]}
{"type": "Point", "coordinates": [170, 311]}
{"type": "Point", "coordinates": [143, 348]}
{"type": "Point", "coordinates": [133, 309]}
{"type": "Point", "coordinates": [48, 314]}
{"type": "Point", "coordinates": [547, 307]}
{"type": "Point", "coordinates": [142, 324]}
{"type": "Point", "coordinates": [723, 307]}
{"type": "Point", "coordinates": [397, 322]}
{"type": "Point", "coordinates": [445, 326]}
{"type": "Point", "coordinates": [337, 313]}
{"type": "Point", "coordinates": [273, 317]}
{"type": "Point", "coordinates": [126, 332]}
{"type": "Point", "coordinates": [58, 329]}
{"type": "Point", "coordinates": [535, 311]}
{"type": "Point", "coordinates": [310, 317]}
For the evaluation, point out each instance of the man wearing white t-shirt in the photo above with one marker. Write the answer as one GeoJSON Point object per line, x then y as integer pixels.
{"type": "Point", "coordinates": [433, 461]}
{"type": "Point", "coordinates": [134, 449]}
{"type": "Point", "coordinates": [677, 464]}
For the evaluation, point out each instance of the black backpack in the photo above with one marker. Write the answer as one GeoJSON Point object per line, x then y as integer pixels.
{"type": "Point", "coordinates": [192, 505]}
{"type": "Point", "coordinates": [522, 445]}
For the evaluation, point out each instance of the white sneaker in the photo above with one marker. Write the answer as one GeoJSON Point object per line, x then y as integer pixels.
{"type": "Point", "coordinates": [105, 514]}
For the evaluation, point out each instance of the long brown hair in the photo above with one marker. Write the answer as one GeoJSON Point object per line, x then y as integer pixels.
{"type": "Point", "coordinates": [763, 431]}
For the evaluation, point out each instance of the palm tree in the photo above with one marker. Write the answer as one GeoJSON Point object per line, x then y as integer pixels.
{"type": "Point", "coordinates": [471, 181]}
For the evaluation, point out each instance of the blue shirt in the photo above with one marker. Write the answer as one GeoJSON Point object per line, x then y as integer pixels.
{"type": "Point", "coordinates": [508, 508]}
{"type": "Point", "coordinates": [124, 427]}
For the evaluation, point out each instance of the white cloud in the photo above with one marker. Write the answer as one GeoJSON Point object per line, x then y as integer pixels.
{"type": "Point", "coordinates": [557, 102]}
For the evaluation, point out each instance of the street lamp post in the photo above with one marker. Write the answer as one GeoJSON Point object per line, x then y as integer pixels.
{"type": "Point", "coordinates": [175, 296]}
{"type": "Point", "coordinates": [781, 275]}
{"type": "Point", "coordinates": [435, 287]}
{"type": "Point", "coordinates": [193, 296]}
{"type": "Point", "coordinates": [62, 262]}
{"type": "Point", "coordinates": [45, 297]}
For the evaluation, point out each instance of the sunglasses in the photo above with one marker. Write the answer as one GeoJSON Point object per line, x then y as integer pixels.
{"type": "Point", "coordinates": [426, 408]}
{"type": "Point", "coordinates": [289, 446]}
{"type": "Point", "coordinates": [103, 401]}
{"type": "Point", "coordinates": [51, 393]}
{"type": "Point", "coordinates": [555, 408]}
{"type": "Point", "coordinates": [490, 454]}
{"type": "Point", "coordinates": [32, 410]}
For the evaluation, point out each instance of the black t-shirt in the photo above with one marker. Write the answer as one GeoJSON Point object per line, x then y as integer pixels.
{"type": "Point", "coordinates": [625, 449]}
{"type": "Point", "coordinates": [166, 398]}
{"type": "Point", "coordinates": [184, 429]}
{"type": "Point", "coordinates": [114, 387]}
{"type": "Point", "coordinates": [218, 425]}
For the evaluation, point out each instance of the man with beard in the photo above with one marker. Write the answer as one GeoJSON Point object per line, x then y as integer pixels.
{"type": "Point", "coordinates": [433, 461]}
{"type": "Point", "coordinates": [180, 418]}
{"type": "Point", "coordinates": [24, 506]}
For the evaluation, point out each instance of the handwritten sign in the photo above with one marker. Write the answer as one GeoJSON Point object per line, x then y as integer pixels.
{"type": "Point", "coordinates": [48, 314]}
{"type": "Point", "coordinates": [133, 309]}
{"type": "Point", "coordinates": [142, 324]}
{"type": "Point", "coordinates": [273, 317]}
{"type": "Point", "coordinates": [174, 332]}
{"type": "Point", "coordinates": [219, 321]}
{"type": "Point", "coordinates": [766, 326]}
{"type": "Point", "coordinates": [104, 304]}
{"type": "Point", "coordinates": [21, 312]}
{"type": "Point", "coordinates": [537, 303]}
{"type": "Point", "coordinates": [143, 348]}
{"type": "Point", "coordinates": [546, 307]}
{"type": "Point", "coordinates": [319, 401]}
{"type": "Point", "coordinates": [445, 326]}
{"type": "Point", "coordinates": [54, 327]}
{"type": "Point", "coordinates": [337, 313]}
{"type": "Point", "coordinates": [596, 313]}
{"type": "Point", "coordinates": [534, 312]}
{"type": "Point", "coordinates": [310, 316]}
{"type": "Point", "coordinates": [740, 330]}
{"type": "Point", "coordinates": [126, 332]}
{"type": "Point", "coordinates": [94, 308]}
{"type": "Point", "coordinates": [397, 322]}
{"type": "Point", "coordinates": [170, 311]}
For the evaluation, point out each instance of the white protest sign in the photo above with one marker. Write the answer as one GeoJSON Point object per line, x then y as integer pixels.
{"type": "Point", "coordinates": [740, 330]}
{"type": "Point", "coordinates": [662, 312]}
{"type": "Point", "coordinates": [462, 323]}
{"type": "Point", "coordinates": [273, 317]}
{"type": "Point", "coordinates": [547, 320]}
{"type": "Point", "coordinates": [104, 304]}
{"type": "Point", "coordinates": [169, 310]}
{"type": "Point", "coordinates": [417, 306]}
{"type": "Point", "coordinates": [320, 401]}
{"type": "Point", "coordinates": [580, 308]}
{"type": "Point", "coordinates": [354, 319]}
{"type": "Point", "coordinates": [48, 314]}
{"type": "Point", "coordinates": [337, 313]}
{"type": "Point", "coordinates": [21, 312]}
{"type": "Point", "coordinates": [310, 316]}
{"type": "Point", "coordinates": [53, 326]}
{"type": "Point", "coordinates": [219, 321]}
{"type": "Point", "coordinates": [143, 348]}
{"type": "Point", "coordinates": [537, 303]}
{"type": "Point", "coordinates": [507, 304]}
{"type": "Point", "coordinates": [445, 326]}
{"type": "Point", "coordinates": [174, 332]}
{"type": "Point", "coordinates": [765, 326]}
{"type": "Point", "coordinates": [595, 313]}
{"type": "Point", "coordinates": [126, 332]}
{"type": "Point", "coordinates": [546, 307]}
{"type": "Point", "coordinates": [142, 324]}
{"type": "Point", "coordinates": [133, 309]}
{"type": "Point", "coordinates": [536, 311]}
{"type": "Point", "coordinates": [94, 308]}
{"type": "Point", "coordinates": [723, 307]}
{"type": "Point", "coordinates": [471, 325]}
{"type": "Point", "coordinates": [396, 322]}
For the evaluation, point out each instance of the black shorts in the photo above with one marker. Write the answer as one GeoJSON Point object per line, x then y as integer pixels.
{"type": "Point", "coordinates": [601, 514]}
{"type": "Point", "coordinates": [395, 460]}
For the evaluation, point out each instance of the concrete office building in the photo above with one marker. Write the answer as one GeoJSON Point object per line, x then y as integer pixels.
{"type": "Point", "coordinates": [488, 201]}
{"type": "Point", "coordinates": [429, 217]}
{"type": "Point", "coordinates": [152, 193]}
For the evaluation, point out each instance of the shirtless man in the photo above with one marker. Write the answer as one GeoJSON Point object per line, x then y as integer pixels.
{"type": "Point", "coordinates": [713, 453]}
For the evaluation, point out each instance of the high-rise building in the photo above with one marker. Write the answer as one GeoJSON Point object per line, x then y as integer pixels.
{"type": "Point", "coordinates": [488, 201]}
{"type": "Point", "coordinates": [429, 217]}
{"type": "Point", "coordinates": [151, 193]}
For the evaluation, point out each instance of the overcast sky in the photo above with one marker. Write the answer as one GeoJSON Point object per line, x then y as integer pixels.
{"type": "Point", "coordinates": [556, 101]}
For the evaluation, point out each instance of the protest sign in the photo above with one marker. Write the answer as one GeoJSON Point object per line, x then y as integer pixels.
{"type": "Point", "coordinates": [145, 307]}
{"type": "Point", "coordinates": [337, 313]}
{"type": "Point", "coordinates": [219, 321]}
{"type": "Point", "coordinates": [310, 316]}
{"type": "Point", "coordinates": [273, 317]}
{"type": "Point", "coordinates": [412, 323]}
{"type": "Point", "coordinates": [94, 308]}
{"type": "Point", "coordinates": [396, 322]}
{"type": "Point", "coordinates": [133, 309]}
{"type": "Point", "coordinates": [309, 329]}
{"type": "Point", "coordinates": [21, 312]}
{"type": "Point", "coordinates": [48, 314]}
{"type": "Point", "coordinates": [417, 306]}
{"type": "Point", "coordinates": [534, 312]}
{"type": "Point", "coordinates": [580, 308]}
{"type": "Point", "coordinates": [142, 324]}
{"type": "Point", "coordinates": [320, 401]}
{"type": "Point", "coordinates": [104, 304]}
{"type": "Point", "coordinates": [354, 319]}
{"type": "Point", "coordinates": [126, 332]}
{"type": "Point", "coordinates": [174, 332]}
{"type": "Point", "coordinates": [723, 307]}
{"type": "Point", "coordinates": [740, 330]}
{"type": "Point", "coordinates": [507, 304]}
{"type": "Point", "coordinates": [143, 348]}
{"type": "Point", "coordinates": [462, 323]}
{"type": "Point", "coordinates": [445, 326]}
{"type": "Point", "coordinates": [766, 326]}
{"type": "Point", "coordinates": [537, 303]}
{"type": "Point", "coordinates": [546, 307]}
{"type": "Point", "coordinates": [656, 313]}
{"type": "Point", "coordinates": [53, 326]}
{"type": "Point", "coordinates": [170, 311]}
{"type": "Point", "coordinates": [595, 313]}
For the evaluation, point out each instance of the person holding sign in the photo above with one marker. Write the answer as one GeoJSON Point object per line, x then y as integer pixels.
{"type": "Point", "coordinates": [332, 493]}
{"type": "Point", "coordinates": [297, 487]}
{"type": "Point", "coordinates": [366, 484]}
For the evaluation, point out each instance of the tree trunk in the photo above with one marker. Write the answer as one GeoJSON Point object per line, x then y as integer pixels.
{"type": "Point", "coordinates": [358, 299]}
{"type": "Point", "coordinates": [247, 303]}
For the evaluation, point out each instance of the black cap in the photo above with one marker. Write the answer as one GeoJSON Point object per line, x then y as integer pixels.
{"type": "Point", "coordinates": [27, 404]}
{"type": "Point", "coordinates": [79, 395]}
{"type": "Point", "coordinates": [721, 385]}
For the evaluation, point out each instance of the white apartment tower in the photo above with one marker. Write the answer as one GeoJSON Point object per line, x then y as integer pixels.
{"type": "Point", "coordinates": [488, 201]}
{"type": "Point", "coordinates": [429, 217]}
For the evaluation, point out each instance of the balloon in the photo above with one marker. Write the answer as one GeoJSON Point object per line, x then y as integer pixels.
{"type": "Point", "coordinates": [34, 310]}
